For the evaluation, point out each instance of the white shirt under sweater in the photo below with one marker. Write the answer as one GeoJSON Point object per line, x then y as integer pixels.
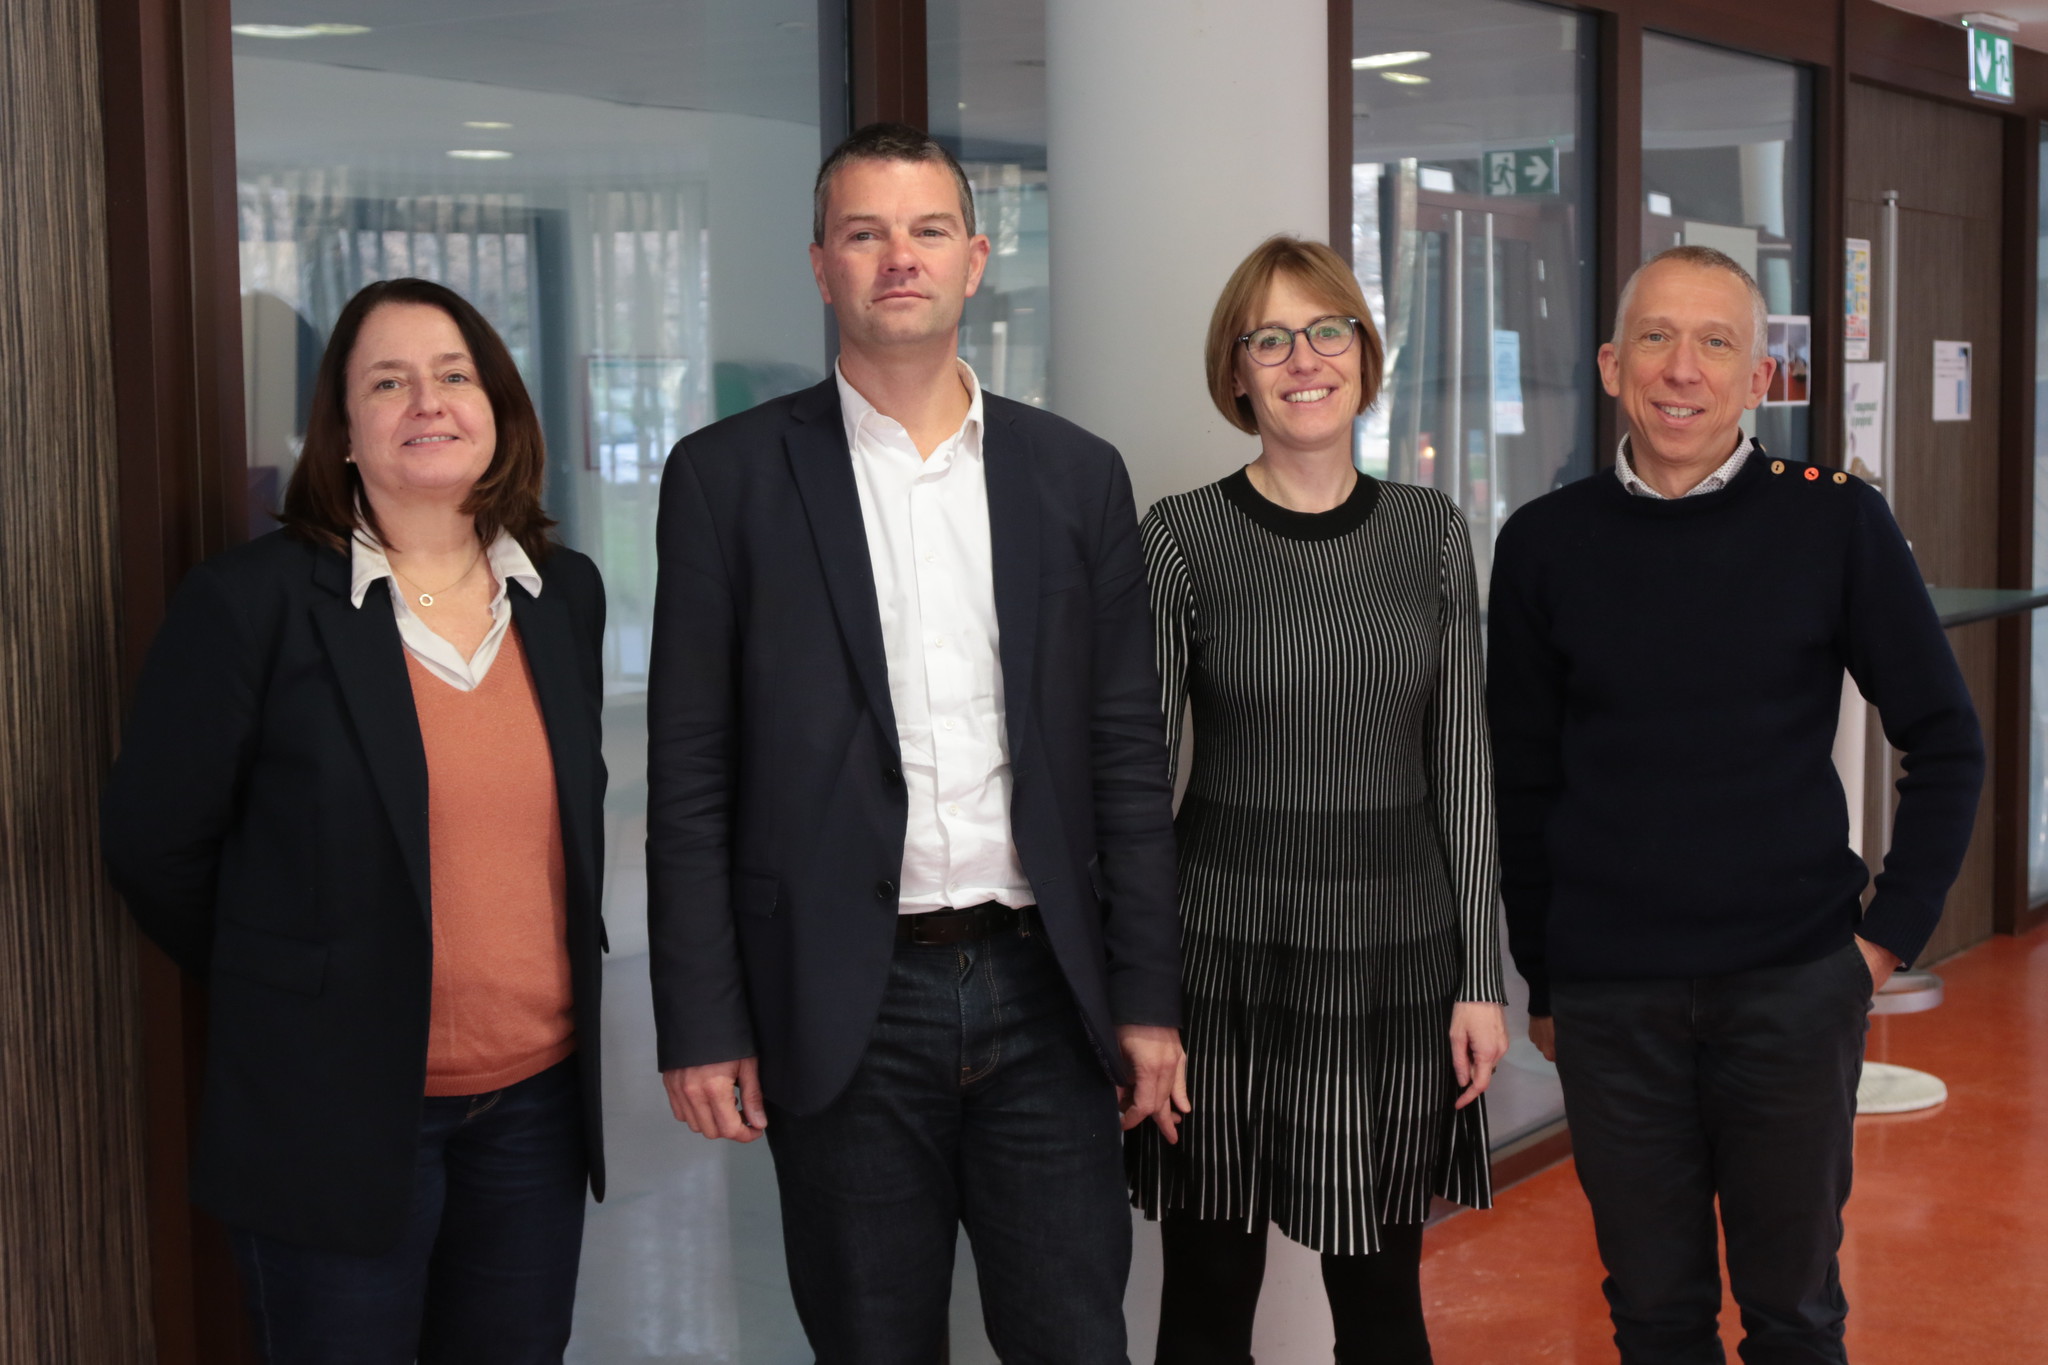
{"type": "Point", "coordinates": [505, 560]}
{"type": "Point", "coordinates": [928, 544]}
{"type": "Point", "coordinates": [1713, 483]}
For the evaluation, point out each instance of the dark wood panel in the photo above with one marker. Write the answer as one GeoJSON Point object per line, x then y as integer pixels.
{"type": "Point", "coordinates": [1941, 158]}
{"type": "Point", "coordinates": [166, 102]}
{"type": "Point", "coordinates": [1796, 31]}
{"type": "Point", "coordinates": [2010, 787]}
{"type": "Point", "coordinates": [887, 61]}
{"type": "Point", "coordinates": [1338, 68]}
{"type": "Point", "coordinates": [1968, 917]}
{"type": "Point", "coordinates": [73, 1239]}
{"type": "Point", "coordinates": [1946, 484]}
{"type": "Point", "coordinates": [1618, 206]}
{"type": "Point", "coordinates": [1948, 164]}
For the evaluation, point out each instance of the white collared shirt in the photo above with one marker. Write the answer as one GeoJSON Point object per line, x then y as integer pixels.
{"type": "Point", "coordinates": [928, 543]}
{"type": "Point", "coordinates": [1713, 483]}
{"type": "Point", "coordinates": [507, 562]}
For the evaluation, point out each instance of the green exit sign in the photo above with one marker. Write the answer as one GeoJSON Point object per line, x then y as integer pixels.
{"type": "Point", "coordinates": [1525, 170]}
{"type": "Point", "coordinates": [1990, 65]}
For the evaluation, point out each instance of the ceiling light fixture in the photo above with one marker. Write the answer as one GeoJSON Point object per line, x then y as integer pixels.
{"type": "Point", "coordinates": [1404, 78]}
{"type": "Point", "coordinates": [479, 154]}
{"type": "Point", "coordinates": [487, 124]}
{"type": "Point", "coordinates": [1379, 61]}
{"type": "Point", "coordinates": [299, 30]}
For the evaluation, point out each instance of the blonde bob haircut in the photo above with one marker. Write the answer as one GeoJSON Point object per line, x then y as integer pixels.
{"type": "Point", "coordinates": [1321, 273]}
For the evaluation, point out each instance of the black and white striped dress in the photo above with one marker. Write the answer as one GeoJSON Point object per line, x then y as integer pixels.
{"type": "Point", "coordinates": [1337, 858]}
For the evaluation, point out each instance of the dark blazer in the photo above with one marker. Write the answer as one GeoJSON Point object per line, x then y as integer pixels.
{"type": "Point", "coordinates": [776, 804]}
{"type": "Point", "coordinates": [267, 822]}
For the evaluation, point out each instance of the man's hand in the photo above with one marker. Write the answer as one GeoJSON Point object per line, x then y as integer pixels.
{"type": "Point", "coordinates": [1159, 1071]}
{"type": "Point", "coordinates": [1479, 1039]}
{"type": "Point", "coordinates": [703, 1097]}
{"type": "Point", "coordinates": [1881, 961]}
{"type": "Point", "coordinates": [1543, 1033]}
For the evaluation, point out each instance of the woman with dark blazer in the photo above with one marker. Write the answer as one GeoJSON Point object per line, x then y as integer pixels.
{"type": "Point", "coordinates": [361, 797]}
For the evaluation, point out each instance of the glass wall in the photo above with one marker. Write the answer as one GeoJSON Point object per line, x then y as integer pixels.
{"type": "Point", "coordinates": [625, 192]}
{"type": "Point", "coordinates": [1471, 231]}
{"type": "Point", "coordinates": [1471, 215]}
{"type": "Point", "coordinates": [1726, 148]}
{"type": "Point", "coordinates": [986, 60]}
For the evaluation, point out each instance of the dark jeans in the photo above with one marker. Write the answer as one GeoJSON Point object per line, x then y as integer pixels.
{"type": "Point", "coordinates": [486, 1271]}
{"type": "Point", "coordinates": [1214, 1270]}
{"type": "Point", "coordinates": [979, 1101]}
{"type": "Point", "coordinates": [1740, 1087]}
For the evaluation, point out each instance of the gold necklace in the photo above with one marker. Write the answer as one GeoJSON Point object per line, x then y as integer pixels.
{"type": "Point", "coordinates": [426, 599]}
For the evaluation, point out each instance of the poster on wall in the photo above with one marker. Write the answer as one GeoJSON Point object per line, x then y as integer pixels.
{"type": "Point", "coordinates": [1856, 300]}
{"type": "Point", "coordinates": [1507, 384]}
{"type": "Point", "coordinates": [1863, 416]}
{"type": "Point", "coordinates": [1951, 381]}
{"type": "Point", "coordinates": [1791, 345]}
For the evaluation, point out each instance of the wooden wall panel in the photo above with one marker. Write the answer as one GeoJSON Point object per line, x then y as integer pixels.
{"type": "Point", "coordinates": [73, 1279]}
{"type": "Point", "coordinates": [1948, 163]}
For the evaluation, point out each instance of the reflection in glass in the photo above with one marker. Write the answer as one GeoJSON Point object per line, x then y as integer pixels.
{"type": "Point", "coordinates": [625, 192]}
{"type": "Point", "coordinates": [1472, 205]}
{"type": "Point", "coordinates": [987, 81]}
{"type": "Point", "coordinates": [1725, 148]}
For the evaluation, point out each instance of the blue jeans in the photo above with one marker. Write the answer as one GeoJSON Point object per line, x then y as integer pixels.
{"type": "Point", "coordinates": [979, 1101]}
{"type": "Point", "coordinates": [486, 1270]}
{"type": "Point", "coordinates": [1737, 1088]}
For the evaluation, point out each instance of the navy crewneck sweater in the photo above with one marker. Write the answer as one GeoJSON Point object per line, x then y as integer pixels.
{"type": "Point", "coordinates": [1664, 681]}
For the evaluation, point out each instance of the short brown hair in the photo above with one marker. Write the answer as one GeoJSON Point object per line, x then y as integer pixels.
{"type": "Point", "coordinates": [1317, 269]}
{"type": "Point", "coordinates": [886, 142]}
{"type": "Point", "coordinates": [324, 501]}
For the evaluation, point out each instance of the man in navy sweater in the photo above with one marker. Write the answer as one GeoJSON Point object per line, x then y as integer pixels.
{"type": "Point", "coordinates": [1667, 644]}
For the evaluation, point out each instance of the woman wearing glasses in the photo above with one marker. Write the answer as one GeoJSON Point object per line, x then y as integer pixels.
{"type": "Point", "coordinates": [1341, 961]}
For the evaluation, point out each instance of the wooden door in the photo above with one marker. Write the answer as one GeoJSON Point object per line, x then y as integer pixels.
{"type": "Point", "coordinates": [1946, 164]}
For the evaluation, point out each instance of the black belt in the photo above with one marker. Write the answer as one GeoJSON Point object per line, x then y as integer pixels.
{"type": "Point", "coordinates": [938, 928]}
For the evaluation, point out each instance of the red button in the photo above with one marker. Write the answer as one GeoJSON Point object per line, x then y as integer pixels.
{"type": "Point", "coordinates": [1812, 473]}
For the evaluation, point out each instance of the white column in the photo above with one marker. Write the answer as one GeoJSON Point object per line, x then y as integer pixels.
{"type": "Point", "coordinates": [1181, 133]}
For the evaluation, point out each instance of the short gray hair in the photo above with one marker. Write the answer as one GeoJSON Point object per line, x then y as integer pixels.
{"type": "Point", "coordinates": [1704, 258]}
{"type": "Point", "coordinates": [886, 142]}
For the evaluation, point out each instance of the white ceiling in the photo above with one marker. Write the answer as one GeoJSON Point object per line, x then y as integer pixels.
{"type": "Point", "coordinates": [2033, 18]}
{"type": "Point", "coordinates": [755, 57]}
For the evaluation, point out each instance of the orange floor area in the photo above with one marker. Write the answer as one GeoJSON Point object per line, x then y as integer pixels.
{"type": "Point", "coordinates": [1946, 1257]}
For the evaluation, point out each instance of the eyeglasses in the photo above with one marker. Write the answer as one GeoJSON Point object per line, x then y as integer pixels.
{"type": "Point", "coordinates": [1326, 337]}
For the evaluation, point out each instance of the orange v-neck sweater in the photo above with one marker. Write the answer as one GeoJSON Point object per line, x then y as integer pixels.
{"type": "Point", "coordinates": [501, 1000]}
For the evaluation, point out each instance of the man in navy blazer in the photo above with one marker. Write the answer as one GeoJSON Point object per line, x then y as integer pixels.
{"type": "Point", "coordinates": [910, 851]}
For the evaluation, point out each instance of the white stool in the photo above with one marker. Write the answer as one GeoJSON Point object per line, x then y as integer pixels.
{"type": "Point", "coordinates": [1888, 1089]}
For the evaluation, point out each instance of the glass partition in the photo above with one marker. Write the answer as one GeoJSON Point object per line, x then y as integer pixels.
{"type": "Point", "coordinates": [625, 192]}
{"type": "Point", "coordinates": [1726, 148]}
{"type": "Point", "coordinates": [986, 62]}
{"type": "Point", "coordinates": [1471, 212]}
{"type": "Point", "coordinates": [1471, 232]}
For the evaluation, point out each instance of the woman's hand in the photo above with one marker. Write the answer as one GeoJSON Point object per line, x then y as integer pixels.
{"type": "Point", "coordinates": [1479, 1039]}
